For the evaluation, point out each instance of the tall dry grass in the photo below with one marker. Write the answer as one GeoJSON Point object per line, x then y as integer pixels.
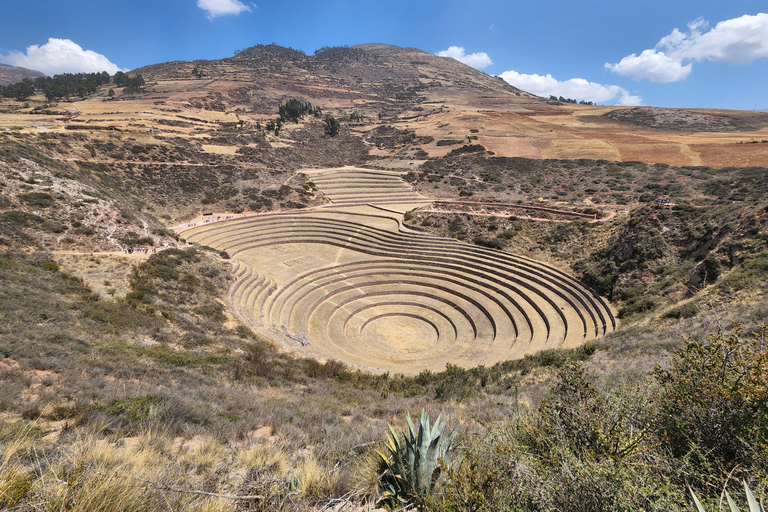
{"type": "Point", "coordinates": [155, 471]}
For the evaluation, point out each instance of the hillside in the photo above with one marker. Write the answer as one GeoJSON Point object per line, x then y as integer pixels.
{"type": "Point", "coordinates": [647, 237]}
{"type": "Point", "coordinates": [13, 74]}
{"type": "Point", "coordinates": [394, 90]}
{"type": "Point", "coordinates": [212, 306]}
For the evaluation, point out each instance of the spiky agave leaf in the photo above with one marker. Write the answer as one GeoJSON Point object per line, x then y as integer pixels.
{"type": "Point", "coordinates": [754, 505]}
{"type": "Point", "coordinates": [415, 468]}
{"type": "Point", "coordinates": [731, 503]}
{"type": "Point", "coordinates": [696, 501]}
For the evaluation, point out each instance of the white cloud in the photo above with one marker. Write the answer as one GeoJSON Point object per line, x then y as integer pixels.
{"type": "Point", "coordinates": [60, 56]}
{"type": "Point", "coordinates": [576, 88]}
{"type": "Point", "coordinates": [653, 65]}
{"type": "Point", "coordinates": [628, 100]}
{"type": "Point", "coordinates": [216, 8]}
{"type": "Point", "coordinates": [739, 40]}
{"type": "Point", "coordinates": [478, 60]}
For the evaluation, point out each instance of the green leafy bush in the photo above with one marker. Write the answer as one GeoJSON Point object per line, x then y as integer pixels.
{"type": "Point", "coordinates": [714, 400]}
{"type": "Point", "coordinates": [490, 242]}
{"type": "Point", "coordinates": [133, 239]}
{"type": "Point", "coordinates": [37, 199]}
{"type": "Point", "coordinates": [332, 126]}
{"type": "Point", "coordinates": [467, 148]}
{"type": "Point", "coordinates": [687, 310]}
{"type": "Point", "coordinates": [583, 449]}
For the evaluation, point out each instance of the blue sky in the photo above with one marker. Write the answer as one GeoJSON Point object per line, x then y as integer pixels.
{"type": "Point", "coordinates": [679, 53]}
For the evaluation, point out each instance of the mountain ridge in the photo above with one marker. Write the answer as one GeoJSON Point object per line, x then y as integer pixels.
{"type": "Point", "coordinates": [12, 74]}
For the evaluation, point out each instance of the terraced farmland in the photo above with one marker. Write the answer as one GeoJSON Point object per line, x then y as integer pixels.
{"type": "Point", "coordinates": [355, 187]}
{"type": "Point", "coordinates": [349, 282]}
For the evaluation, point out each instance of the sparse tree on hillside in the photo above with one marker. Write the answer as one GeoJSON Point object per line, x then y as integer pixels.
{"type": "Point", "coordinates": [133, 84]}
{"type": "Point", "coordinates": [119, 79]}
{"type": "Point", "coordinates": [293, 110]}
{"type": "Point", "coordinates": [332, 126]}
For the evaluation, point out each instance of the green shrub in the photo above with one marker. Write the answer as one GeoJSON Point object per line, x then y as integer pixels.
{"type": "Point", "coordinates": [587, 422]}
{"type": "Point", "coordinates": [490, 242]}
{"type": "Point", "coordinates": [135, 408]}
{"type": "Point", "coordinates": [467, 149]}
{"type": "Point", "coordinates": [332, 126]}
{"type": "Point", "coordinates": [21, 218]}
{"type": "Point", "coordinates": [747, 274]}
{"type": "Point", "coordinates": [133, 239]}
{"type": "Point", "coordinates": [714, 400]}
{"type": "Point", "coordinates": [37, 199]}
{"type": "Point", "coordinates": [583, 449]}
{"type": "Point", "coordinates": [50, 266]}
{"type": "Point", "coordinates": [687, 310]}
{"type": "Point", "coordinates": [639, 304]}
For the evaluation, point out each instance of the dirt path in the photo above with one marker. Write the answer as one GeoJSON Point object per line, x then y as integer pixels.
{"type": "Point", "coordinates": [122, 254]}
{"type": "Point", "coordinates": [508, 215]}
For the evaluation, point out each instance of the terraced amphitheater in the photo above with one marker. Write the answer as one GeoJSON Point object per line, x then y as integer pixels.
{"type": "Point", "coordinates": [348, 281]}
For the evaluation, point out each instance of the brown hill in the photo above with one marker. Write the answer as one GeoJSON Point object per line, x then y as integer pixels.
{"type": "Point", "coordinates": [401, 91]}
{"type": "Point", "coordinates": [12, 74]}
{"type": "Point", "coordinates": [379, 71]}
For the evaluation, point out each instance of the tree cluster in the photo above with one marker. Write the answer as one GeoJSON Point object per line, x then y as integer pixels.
{"type": "Point", "coordinates": [294, 110]}
{"type": "Point", "coordinates": [340, 53]}
{"type": "Point", "coordinates": [570, 100]}
{"type": "Point", "coordinates": [57, 87]}
{"type": "Point", "coordinates": [274, 125]}
{"type": "Point", "coordinates": [20, 90]}
{"type": "Point", "coordinates": [131, 84]}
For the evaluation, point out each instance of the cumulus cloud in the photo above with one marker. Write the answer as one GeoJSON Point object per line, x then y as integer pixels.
{"type": "Point", "coordinates": [654, 65]}
{"type": "Point", "coordinates": [576, 88]}
{"type": "Point", "coordinates": [216, 8]}
{"type": "Point", "coordinates": [478, 60]}
{"type": "Point", "coordinates": [739, 40]}
{"type": "Point", "coordinates": [60, 56]}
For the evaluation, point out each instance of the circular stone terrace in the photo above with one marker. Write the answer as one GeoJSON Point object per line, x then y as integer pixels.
{"type": "Point", "coordinates": [349, 282]}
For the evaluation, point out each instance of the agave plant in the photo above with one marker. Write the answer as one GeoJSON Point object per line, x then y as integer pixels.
{"type": "Point", "coordinates": [754, 506]}
{"type": "Point", "coordinates": [415, 468]}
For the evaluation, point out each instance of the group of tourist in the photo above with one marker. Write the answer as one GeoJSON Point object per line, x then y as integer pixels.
{"type": "Point", "coordinates": [211, 219]}
{"type": "Point", "coordinates": [138, 250]}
